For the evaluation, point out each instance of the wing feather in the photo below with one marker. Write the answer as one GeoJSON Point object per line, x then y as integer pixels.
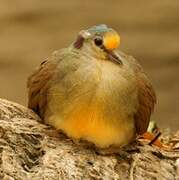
{"type": "Point", "coordinates": [146, 96]}
{"type": "Point", "coordinates": [38, 84]}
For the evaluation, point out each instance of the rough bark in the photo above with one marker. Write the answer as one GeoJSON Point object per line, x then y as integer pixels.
{"type": "Point", "coordinates": [31, 150]}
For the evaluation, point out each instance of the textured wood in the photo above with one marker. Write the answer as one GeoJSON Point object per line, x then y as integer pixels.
{"type": "Point", "coordinates": [31, 150]}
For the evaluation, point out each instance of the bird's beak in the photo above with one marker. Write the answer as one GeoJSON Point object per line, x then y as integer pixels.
{"type": "Point", "coordinates": [111, 41]}
{"type": "Point", "coordinates": [113, 56]}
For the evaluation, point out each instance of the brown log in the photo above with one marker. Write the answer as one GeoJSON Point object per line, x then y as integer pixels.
{"type": "Point", "coordinates": [30, 150]}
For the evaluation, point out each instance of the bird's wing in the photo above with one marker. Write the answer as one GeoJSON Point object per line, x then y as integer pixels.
{"type": "Point", "coordinates": [38, 84]}
{"type": "Point", "coordinates": [146, 96]}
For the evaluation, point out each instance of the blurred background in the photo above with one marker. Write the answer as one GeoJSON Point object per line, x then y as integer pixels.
{"type": "Point", "coordinates": [31, 30]}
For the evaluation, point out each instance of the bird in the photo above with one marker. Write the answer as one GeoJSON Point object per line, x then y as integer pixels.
{"type": "Point", "coordinates": [93, 91]}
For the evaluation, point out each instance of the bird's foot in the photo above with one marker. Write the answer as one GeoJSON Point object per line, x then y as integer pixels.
{"type": "Point", "coordinates": [152, 139]}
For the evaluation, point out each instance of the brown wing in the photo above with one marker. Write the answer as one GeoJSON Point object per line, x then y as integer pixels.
{"type": "Point", "coordinates": [147, 100]}
{"type": "Point", "coordinates": [38, 84]}
{"type": "Point", "coordinates": [146, 96]}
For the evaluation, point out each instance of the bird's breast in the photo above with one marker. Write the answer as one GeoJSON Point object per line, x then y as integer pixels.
{"type": "Point", "coordinates": [94, 102]}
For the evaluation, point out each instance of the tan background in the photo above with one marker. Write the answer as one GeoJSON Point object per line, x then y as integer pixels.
{"type": "Point", "coordinates": [31, 30]}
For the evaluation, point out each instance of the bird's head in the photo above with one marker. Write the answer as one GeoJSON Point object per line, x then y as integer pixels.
{"type": "Point", "coordinates": [101, 41]}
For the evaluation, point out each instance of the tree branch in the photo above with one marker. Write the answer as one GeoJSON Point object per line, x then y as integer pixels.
{"type": "Point", "coordinates": [32, 150]}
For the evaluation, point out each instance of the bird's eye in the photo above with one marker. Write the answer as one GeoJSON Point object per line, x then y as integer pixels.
{"type": "Point", "coordinates": [98, 41]}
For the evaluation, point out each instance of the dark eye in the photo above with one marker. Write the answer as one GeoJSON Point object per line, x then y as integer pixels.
{"type": "Point", "coordinates": [98, 41]}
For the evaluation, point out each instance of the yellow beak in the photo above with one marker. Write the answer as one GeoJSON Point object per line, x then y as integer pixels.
{"type": "Point", "coordinates": [111, 40]}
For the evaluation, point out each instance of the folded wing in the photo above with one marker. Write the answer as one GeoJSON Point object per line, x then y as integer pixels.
{"type": "Point", "coordinates": [146, 96]}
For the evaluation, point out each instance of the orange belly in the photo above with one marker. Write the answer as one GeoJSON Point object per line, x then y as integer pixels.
{"type": "Point", "coordinates": [90, 124]}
